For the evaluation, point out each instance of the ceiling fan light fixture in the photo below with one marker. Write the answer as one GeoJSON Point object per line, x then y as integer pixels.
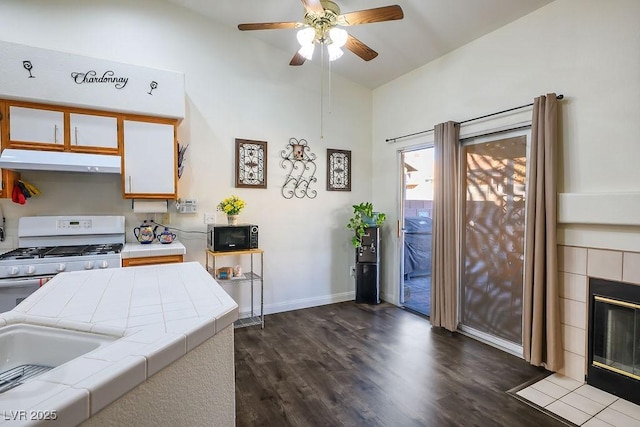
{"type": "Point", "coordinates": [306, 36]}
{"type": "Point", "coordinates": [319, 27]}
{"type": "Point", "coordinates": [334, 52]}
{"type": "Point", "coordinates": [306, 51]}
{"type": "Point", "coordinates": [338, 37]}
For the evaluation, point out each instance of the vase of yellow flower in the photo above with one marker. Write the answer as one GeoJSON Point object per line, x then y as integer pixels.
{"type": "Point", "coordinates": [232, 207]}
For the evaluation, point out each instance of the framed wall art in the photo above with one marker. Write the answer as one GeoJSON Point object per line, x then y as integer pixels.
{"type": "Point", "coordinates": [338, 170]}
{"type": "Point", "coordinates": [251, 164]}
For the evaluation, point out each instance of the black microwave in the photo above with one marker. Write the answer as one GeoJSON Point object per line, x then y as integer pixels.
{"type": "Point", "coordinates": [224, 238]}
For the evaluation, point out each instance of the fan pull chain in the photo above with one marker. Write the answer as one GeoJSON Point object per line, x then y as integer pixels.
{"type": "Point", "coordinates": [322, 65]}
{"type": "Point", "coordinates": [325, 89]}
{"type": "Point", "coordinates": [330, 108]}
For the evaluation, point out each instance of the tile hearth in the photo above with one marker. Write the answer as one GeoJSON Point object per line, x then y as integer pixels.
{"type": "Point", "coordinates": [580, 403]}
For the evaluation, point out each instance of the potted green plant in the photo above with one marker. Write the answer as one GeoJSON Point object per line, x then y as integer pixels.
{"type": "Point", "coordinates": [363, 217]}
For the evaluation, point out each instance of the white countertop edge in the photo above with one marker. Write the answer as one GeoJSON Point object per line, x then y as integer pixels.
{"type": "Point", "coordinates": [150, 349]}
{"type": "Point", "coordinates": [139, 250]}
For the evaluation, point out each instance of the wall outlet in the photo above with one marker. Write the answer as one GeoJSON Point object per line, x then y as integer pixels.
{"type": "Point", "coordinates": [352, 271]}
{"type": "Point", "coordinates": [209, 218]}
{"type": "Point", "coordinates": [166, 218]}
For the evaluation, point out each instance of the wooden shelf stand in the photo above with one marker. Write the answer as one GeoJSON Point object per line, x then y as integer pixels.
{"type": "Point", "coordinates": [251, 277]}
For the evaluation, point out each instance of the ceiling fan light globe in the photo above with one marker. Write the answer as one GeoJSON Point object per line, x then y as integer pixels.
{"type": "Point", "coordinates": [305, 36]}
{"type": "Point", "coordinates": [338, 37]}
{"type": "Point", "coordinates": [306, 51]}
{"type": "Point", "coordinates": [334, 52]}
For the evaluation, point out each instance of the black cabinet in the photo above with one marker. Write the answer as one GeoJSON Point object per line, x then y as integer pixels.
{"type": "Point", "coordinates": [368, 268]}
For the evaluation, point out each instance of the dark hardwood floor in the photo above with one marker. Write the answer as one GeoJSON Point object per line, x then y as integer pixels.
{"type": "Point", "coordinates": [358, 365]}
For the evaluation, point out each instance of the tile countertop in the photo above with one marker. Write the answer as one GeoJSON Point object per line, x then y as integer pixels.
{"type": "Point", "coordinates": [138, 250]}
{"type": "Point", "coordinates": [158, 312]}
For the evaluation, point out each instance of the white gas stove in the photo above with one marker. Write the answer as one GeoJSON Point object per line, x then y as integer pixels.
{"type": "Point", "coordinates": [48, 245]}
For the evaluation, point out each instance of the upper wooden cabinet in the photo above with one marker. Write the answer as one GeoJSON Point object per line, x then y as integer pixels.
{"type": "Point", "coordinates": [35, 126]}
{"type": "Point", "coordinates": [55, 128]}
{"type": "Point", "coordinates": [92, 132]}
{"type": "Point", "coordinates": [147, 145]}
{"type": "Point", "coordinates": [8, 177]}
{"type": "Point", "coordinates": [149, 153]}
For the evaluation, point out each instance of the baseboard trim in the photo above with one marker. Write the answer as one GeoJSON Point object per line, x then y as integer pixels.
{"type": "Point", "coordinates": [298, 304]}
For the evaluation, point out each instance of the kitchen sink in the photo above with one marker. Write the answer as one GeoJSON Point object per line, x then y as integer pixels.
{"type": "Point", "coordinates": [29, 350]}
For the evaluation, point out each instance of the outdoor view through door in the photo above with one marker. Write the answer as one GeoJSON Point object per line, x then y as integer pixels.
{"type": "Point", "coordinates": [415, 292]}
{"type": "Point", "coordinates": [493, 237]}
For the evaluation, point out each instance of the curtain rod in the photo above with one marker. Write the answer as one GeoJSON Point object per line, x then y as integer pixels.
{"type": "Point", "coordinates": [561, 96]}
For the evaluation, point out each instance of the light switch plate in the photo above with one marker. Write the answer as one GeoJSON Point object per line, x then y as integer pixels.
{"type": "Point", "coordinates": [209, 218]}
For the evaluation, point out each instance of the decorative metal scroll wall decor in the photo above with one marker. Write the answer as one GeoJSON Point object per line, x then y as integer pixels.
{"type": "Point", "coordinates": [338, 170]}
{"type": "Point", "coordinates": [298, 160]}
{"type": "Point", "coordinates": [251, 164]}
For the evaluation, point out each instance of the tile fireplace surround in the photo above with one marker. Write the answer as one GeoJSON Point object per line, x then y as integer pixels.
{"type": "Point", "coordinates": [576, 265]}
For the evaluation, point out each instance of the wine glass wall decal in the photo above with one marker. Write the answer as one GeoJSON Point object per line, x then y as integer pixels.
{"type": "Point", "coordinates": [152, 85]}
{"type": "Point", "coordinates": [28, 66]}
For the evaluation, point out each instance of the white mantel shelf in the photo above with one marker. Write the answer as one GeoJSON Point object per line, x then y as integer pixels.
{"type": "Point", "coordinates": [621, 209]}
{"type": "Point", "coordinates": [600, 220]}
{"type": "Point", "coordinates": [159, 312]}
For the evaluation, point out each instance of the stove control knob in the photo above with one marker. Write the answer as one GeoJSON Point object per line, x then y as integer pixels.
{"type": "Point", "coordinates": [88, 265]}
{"type": "Point", "coordinates": [61, 267]}
{"type": "Point", "coordinates": [13, 271]}
{"type": "Point", "coordinates": [31, 269]}
{"type": "Point", "coordinates": [103, 264]}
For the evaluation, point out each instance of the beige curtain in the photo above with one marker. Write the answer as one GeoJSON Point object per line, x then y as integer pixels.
{"type": "Point", "coordinates": [542, 341]}
{"type": "Point", "coordinates": [444, 282]}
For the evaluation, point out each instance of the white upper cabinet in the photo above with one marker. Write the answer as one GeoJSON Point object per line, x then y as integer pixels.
{"type": "Point", "coordinates": [93, 131]}
{"type": "Point", "coordinates": [149, 160]}
{"type": "Point", "coordinates": [33, 125]}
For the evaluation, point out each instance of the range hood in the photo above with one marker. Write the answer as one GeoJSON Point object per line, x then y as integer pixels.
{"type": "Point", "coordinates": [59, 161]}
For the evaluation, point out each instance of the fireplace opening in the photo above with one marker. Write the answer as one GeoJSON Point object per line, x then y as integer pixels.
{"type": "Point", "coordinates": [614, 338]}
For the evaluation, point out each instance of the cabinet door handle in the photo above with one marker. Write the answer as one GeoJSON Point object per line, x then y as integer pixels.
{"type": "Point", "coordinates": [129, 183]}
{"type": "Point", "coordinates": [76, 134]}
{"type": "Point", "coordinates": [55, 134]}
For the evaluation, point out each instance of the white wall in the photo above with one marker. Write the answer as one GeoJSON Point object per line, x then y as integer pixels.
{"type": "Point", "coordinates": [236, 87]}
{"type": "Point", "coordinates": [584, 49]}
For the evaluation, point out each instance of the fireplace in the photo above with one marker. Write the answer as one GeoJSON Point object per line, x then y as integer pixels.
{"type": "Point", "coordinates": [614, 338]}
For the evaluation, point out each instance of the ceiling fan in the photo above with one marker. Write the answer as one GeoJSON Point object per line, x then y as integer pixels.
{"type": "Point", "coordinates": [320, 26]}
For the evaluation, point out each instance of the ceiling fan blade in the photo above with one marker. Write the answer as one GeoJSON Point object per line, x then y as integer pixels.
{"type": "Point", "coordinates": [368, 16]}
{"type": "Point", "coordinates": [269, 26]}
{"type": "Point", "coordinates": [313, 6]}
{"type": "Point", "coordinates": [297, 59]}
{"type": "Point", "coordinates": [360, 49]}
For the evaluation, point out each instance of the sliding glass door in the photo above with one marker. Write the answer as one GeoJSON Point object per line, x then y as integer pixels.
{"type": "Point", "coordinates": [493, 209]}
{"type": "Point", "coordinates": [417, 207]}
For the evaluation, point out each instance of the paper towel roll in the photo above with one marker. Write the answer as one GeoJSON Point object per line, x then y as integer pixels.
{"type": "Point", "coordinates": [150, 206]}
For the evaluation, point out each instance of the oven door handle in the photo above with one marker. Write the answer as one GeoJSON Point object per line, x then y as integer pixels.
{"type": "Point", "coordinates": [21, 283]}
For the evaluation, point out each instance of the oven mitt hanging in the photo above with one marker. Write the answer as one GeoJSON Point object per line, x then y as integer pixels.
{"type": "Point", "coordinates": [23, 189]}
{"type": "Point", "coordinates": [31, 189]}
{"type": "Point", "coordinates": [17, 196]}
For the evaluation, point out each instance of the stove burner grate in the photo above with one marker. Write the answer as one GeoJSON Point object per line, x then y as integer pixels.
{"type": "Point", "coordinates": [62, 251]}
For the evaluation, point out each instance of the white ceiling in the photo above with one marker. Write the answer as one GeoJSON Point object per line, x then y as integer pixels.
{"type": "Point", "coordinates": [430, 29]}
